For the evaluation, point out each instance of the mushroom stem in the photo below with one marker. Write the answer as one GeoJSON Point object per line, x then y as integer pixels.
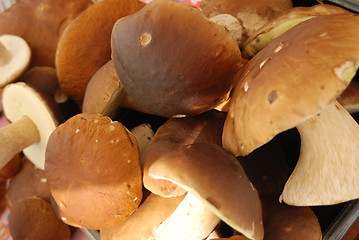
{"type": "Point", "coordinates": [328, 165]}
{"type": "Point", "coordinates": [15, 137]}
{"type": "Point", "coordinates": [5, 55]}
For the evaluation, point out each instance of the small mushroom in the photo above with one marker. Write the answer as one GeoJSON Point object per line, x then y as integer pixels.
{"type": "Point", "coordinates": [40, 24]}
{"type": "Point", "coordinates": [184, 85]}
{"type": "Point", "coordinates": [15, 57]}
{"type": "Point", "coordinates": [75, 62]}
{"type": "Point", "coordinates": [33, 116]}
{"type": "Point", "coordinates": [287, 82]}
{"type": "Point", "coordinates": [92, 166]}
{"type": "Point", "coordinates": [251, 14]}
{"type": "Point", "coordinates": [34, 219]}
{"type": "Point", "coordinates": [272, 29]}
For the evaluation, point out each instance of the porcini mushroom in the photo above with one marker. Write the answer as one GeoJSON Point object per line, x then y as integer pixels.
{"type": "Point", "coordinates": [295, 89]}
{"type": "Point", "coordinates": [33, 116]}
{"type": "Point", "coordinates": [75, 64]}
{"type": "Point", "coordinates": [272, 29]}
{"type": "Point", "coordinates": [15, 57]}
{"type": "Point", "coordinates": [40, 24]}
{"type": "Point", "coordinates": [92, 166]}
{"type": "Point", "coordinates": [184, 85]}
{"type": "Point", "coordinates": [34, 219]}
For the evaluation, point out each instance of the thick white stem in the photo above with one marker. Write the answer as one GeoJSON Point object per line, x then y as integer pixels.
{"type": "Point", "coordinates": [5, 55]}
{"type": "Point", "coordinates": [327, 171]}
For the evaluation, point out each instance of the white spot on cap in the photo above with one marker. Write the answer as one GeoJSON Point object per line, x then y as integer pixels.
{"type": "Point", "coordinates": [111, 128]}
{"type": "Point", "coordinates": [323, 34]}
{"type": "Point", "coordinates": [64, 219]}
{"type": "Point", "coordinates": [246, 86]}
{"type": "Point", "coordinates": [95, 121]}
{"type": "Point", "coordinates": [44, 180]}
{"type": "Point", "coordinates": [77, 130]}
{"type": "Point", "coordinates": [280, 47]}
{"type": "Point", "coordinates": [264, 62]}
{"type": "Point", "coordinates": [179, 116]}
{"type": "Point", "coordinates": [145, 39]}
{"type": "Point", "coordinates": [112, 141]}
{"type": "Point", "coordinates": [96, 140]}
{"type": "Point", "coordinates": [128, 161]}
{"type": "Point", "coordinates": [135, 199]}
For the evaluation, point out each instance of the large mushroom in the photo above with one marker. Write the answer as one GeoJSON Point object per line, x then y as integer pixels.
{"type": "Point", "coordinates": [165, 66]}
{"type": "Point", "coordinates": [85, 46]}
{"type": "Point", "coordinates": [92, 167]}
{"type": "Point", "coordinates": [294, 86]}
{"type": "Point", "coordinates": [33, 116]}
{"type": "Point", "coordinates": [40, 24]}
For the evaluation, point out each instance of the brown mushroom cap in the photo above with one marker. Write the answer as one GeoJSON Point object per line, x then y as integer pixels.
{"type": "Point", "coordinates": [252, 14]}
{"type": "Point", "coordinates": [349, 99]}
{"type": "Point", "coordinates": [215, 177]}
{"type": "Point", "coordinates": [92, 166]}
{"type": "Point", "coordinates": [173, 134]}
{"type": "Point", "coordinates": [173, 81]}
{"type": "Point", "coordinates": [11, 168]}
{"type": "Point", "coordinates": [262, 36]}
{"type": "Point", "coordinates": [40, 24]}
{"type": "Point", "coordinates": [85, 45]}
{"type": "Point", "coordinates": [34, 219]}
{"type": "Point", "coordinates": [28, 182]}
{"type": "Point", "coordinates": [289, 81]}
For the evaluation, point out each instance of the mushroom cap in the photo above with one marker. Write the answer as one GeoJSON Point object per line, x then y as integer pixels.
{"type": "Point", "coordinates": [291, 80]}
{"type": "Point", "coordinates": [282, 221]}
{"type": "Point", "coordinates": [214, 176]}
{"type": "Point", "coordinates": [173, 134]}
{"type": "Point", "coordinates": [40, 24]}
{"type": "Point", "coordinates": [20, 99]}
{"type": "Point", "coordinates": [151, 213]}
{"type": "Point", "coordinates": [92, 166]}
{"type": "Point", "coordinates": [75, 63]}
{"type": "Point", "coordinates": [173, 81]}
{"type": "Point", "coordinates": [15, 58]}
{"type": "Point", "coordinates": [252, 14]}
{"type": "Point", "coordinates": [28, 182]}
{"type": "Point", "coordinates": [11, 168]}
{"type": "Point", "coordinates": [34, 219]}
{"type": "Point", "coordinates": [349, 99]}
{"type": "Point", "coordinates": [262, 36]}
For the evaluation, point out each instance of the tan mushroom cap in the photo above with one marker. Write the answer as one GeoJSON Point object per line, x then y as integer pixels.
{"type": "Point", "coordinates": [283, 222]}
{"type": "Point", "coordinates": [173, 134]}
{"type": "Point", "coordinates": [15, 57]}
{"type": "Point", "coordinates": [92, 166]}
{"type": "Point", "coordinates": [261, 37]}
{"type": "Point", "coordinates": [28, 182]}
{"type": "Point", "coordinates": [252, 14]}
{"type": "Point", "coordinates": [33, 116]}
{"type": "Point", "coordinates": [290, 80]}
{"type": "Point", "coordinates": [85, 46]}
{"type": "Point", "coordinates": [150, 214]}
{"type": "Point", "coordinates": [214, 176]}
{"type": "Point", "coordinates": [105, 94]}
{"type": "Point", "coordinates": [40, 24]}
{"type": "Point", "coordinates": [187, 84]}
{"type": "Point", "coordinates": [34, 219]}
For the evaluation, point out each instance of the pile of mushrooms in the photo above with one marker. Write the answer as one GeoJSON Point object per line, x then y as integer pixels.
{"type": "Point", "coordinates": [167, 117]}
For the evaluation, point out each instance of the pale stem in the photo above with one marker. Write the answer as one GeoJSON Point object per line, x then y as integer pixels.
{"type": "Point", "coordinates": [5, 55]}
{"type": "Point", "coordinates": [15, 137]}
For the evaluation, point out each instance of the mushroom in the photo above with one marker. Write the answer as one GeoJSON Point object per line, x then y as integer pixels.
{"type": "Point", "coordinates": [11, 168]}
{"type": "Point", "coordinates": [75, 63]}
{"type": "Point", "coordinates": [29, 181]}
{"type": "Point", "coordinates": [251, 14]}
{"type": "Point", "coordinates": [33, 116]}
{"type": "Point", "coordinates": [15, 57]}
{"type": "Point", "coordinates": [184, 85]}
{"type": "Point", "coordinates": [272, 29]}
{"type": "Point", "coordinates": [349, 98]}
{"type": "Point", "coordinates": [40, 24]}
{"type": "Point", "coordinates": [105, 95]}
{"type": "Point", "coordinates": [288, 83]}
{"type": "Point", "coordinates": [34, 219]}
{"type": "Point", "coordinates": [92, 167]}
{"type": "Point", "coordinates": [150, 214]}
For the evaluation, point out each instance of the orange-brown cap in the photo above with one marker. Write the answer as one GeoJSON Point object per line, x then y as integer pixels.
{"type": "Point", "coordinates": [92, 166]}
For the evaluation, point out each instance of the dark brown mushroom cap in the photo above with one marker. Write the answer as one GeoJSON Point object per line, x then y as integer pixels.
{"type": "Point", "coordinates": [172, 60]}
{"type": "Point", "coordinates": [34, 219]}
{"type": "Point", "coordinates": [92, 166]}
{"type": "Point", "coordinates": [291, 80]}
{"type": "Point", "coordinates": [28, 182]}
{"type": "Point", "coordinates": [214, 176]}
{"type": "Point", "coordinates": [173, 134]}
{"type": "Point", "coordinates": [11, 168]}
{"type": "Point", "coordinates": [282, 222]}
{"type": "Point", "coordinates": [41, 24]}
{"type": "Point", "coordinates": [85, 46]}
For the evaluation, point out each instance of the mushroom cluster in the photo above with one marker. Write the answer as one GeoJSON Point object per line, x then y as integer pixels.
{"type": "Point", "coordinates": [169, 117]}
